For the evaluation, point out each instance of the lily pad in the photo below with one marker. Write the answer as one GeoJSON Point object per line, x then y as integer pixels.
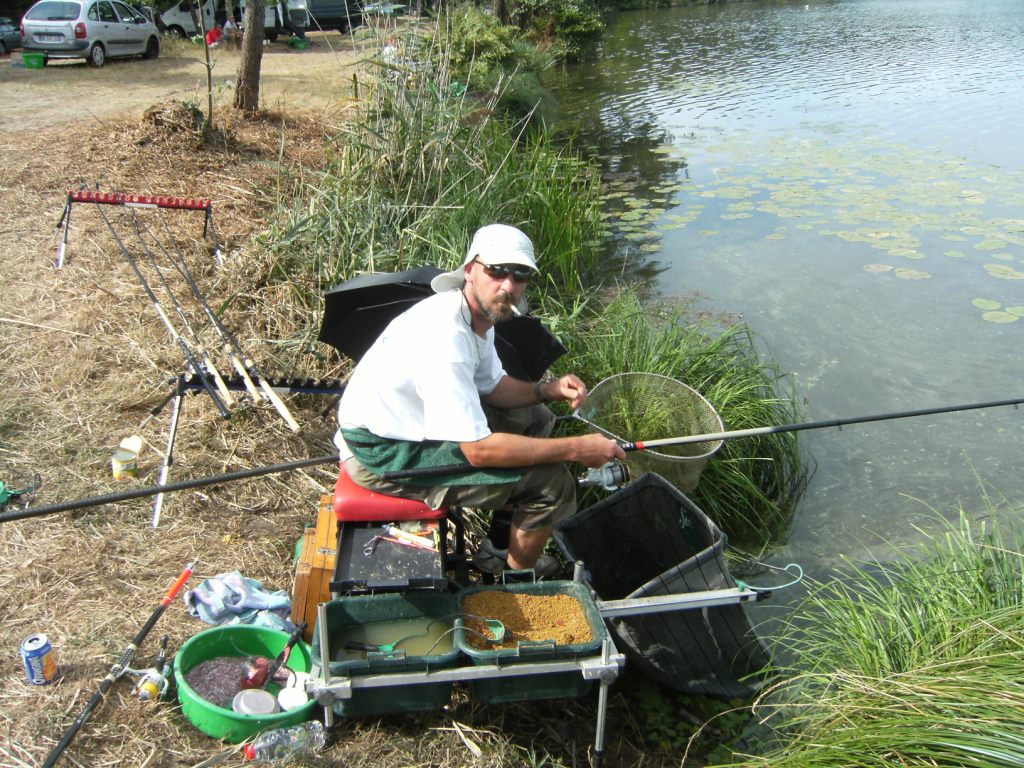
{"type": "Point", "coordinates": [986, 304]}
{"type": "Point", "coordinates": [1000, 317]}
{"type": "Point", "coordinates": [954, 254]}
{"type": "Point", "coordinates": [880, 268]}
{"type": "Point", "coordinates": [1004, 272]}
{"type": "Point", "coordinates": [1018, 311]}
{"type": "Point", "coordinates": [911, 274]}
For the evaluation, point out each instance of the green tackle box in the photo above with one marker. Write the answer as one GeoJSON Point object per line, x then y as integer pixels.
{"type": "Point", "coordinates": [553, 685]}
{"type": "Point", "coordinates": [353, 614]}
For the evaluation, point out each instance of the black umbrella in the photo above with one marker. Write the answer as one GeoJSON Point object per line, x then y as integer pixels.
{"type": "Point", "coordinates": [357, 311]}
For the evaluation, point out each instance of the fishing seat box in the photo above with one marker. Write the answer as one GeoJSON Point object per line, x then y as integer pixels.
{"type": "Point", "coordinates": [316, 553]}
{"type": "Point", "coordinates": [368, 564]}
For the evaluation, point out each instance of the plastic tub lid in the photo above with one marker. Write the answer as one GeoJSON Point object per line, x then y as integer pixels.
{"type": "Point", "coordinates": [291, 698]}
{"type": "Point", "coordinates": [254, 701]}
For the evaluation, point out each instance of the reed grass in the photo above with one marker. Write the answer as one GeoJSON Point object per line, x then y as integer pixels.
{"type": "Point", "coordinates": [427, 165]}
{"type": "Point", "coordinates": [917, 663]}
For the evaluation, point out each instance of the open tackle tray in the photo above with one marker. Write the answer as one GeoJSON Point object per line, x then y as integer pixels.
{"type": "Point", "coordinates": [368, 561]}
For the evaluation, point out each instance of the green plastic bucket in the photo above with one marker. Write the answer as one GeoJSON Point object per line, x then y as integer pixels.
{"type": "Point", "coordinates": [239, 640]}
{"type": "Point", "coordinates": [34, 60]}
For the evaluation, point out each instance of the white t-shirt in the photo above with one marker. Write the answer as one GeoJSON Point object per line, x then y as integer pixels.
{"type": "Point", "coordinates": [423, 377]}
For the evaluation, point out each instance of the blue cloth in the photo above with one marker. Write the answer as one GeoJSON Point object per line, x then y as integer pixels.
{"type": "Point", "coordinates": [231, 598]}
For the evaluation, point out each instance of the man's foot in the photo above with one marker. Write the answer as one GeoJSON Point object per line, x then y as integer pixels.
{"type": "Point", "coordinates": [494, 561]}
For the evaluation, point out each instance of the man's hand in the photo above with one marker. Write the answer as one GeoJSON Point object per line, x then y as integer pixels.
{"type": "Point", "coordinates": [595, 450]}
{"type": "Point", "coordinates": [569, 388]}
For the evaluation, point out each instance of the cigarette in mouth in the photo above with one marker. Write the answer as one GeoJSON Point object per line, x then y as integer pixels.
{"type": "Point", "coordinates": [515, 310]}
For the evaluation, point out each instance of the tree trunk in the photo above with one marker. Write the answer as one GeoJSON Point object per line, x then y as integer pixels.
{"type": "Point", "coordinates": [247, 91]}
{"type": "Point", "coordinates": [501, 11]}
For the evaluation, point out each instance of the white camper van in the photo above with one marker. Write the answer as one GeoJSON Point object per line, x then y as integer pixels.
{"type": "Point", "coordinates": [178, 21]}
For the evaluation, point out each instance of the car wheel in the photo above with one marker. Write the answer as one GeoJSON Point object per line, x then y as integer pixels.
{"type": "Point", "coordinates": [152, 49]}
{"type": "Point", "coordinates": [97, 55]}
{"type": "Point", "coordinates": [3, 48]}
{"type": "Point", "coordinates": [176, 31]}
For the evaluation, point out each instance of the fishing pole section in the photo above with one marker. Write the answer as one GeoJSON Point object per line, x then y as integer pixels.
{"type": "Point", "coordinates": [121, 667]}
{"type": "Point", "coordinates": [616, 474]}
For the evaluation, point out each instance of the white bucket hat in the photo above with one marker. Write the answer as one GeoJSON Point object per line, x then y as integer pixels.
{"type": "Point", "coordinates": [493, 244]}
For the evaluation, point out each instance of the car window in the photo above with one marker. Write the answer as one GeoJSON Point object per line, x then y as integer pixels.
{"type": "Point", "coordinates": [125, 14]}
{"type": "Point", "coordinates": [54, 10]}
{"type": "Point", "coordinates": [106, 12]}
{"type": "Point", "coordinates": [93, 14]}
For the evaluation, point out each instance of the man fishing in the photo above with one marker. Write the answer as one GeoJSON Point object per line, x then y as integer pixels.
{"type": "Point", "coordinates": [432, 392]}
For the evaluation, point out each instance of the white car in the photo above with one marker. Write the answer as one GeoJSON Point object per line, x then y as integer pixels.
{"type": "Point", "coordinates": [94, 30]}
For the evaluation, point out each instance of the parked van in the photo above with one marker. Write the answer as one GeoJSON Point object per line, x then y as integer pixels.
{"type": "Point", "coordinates": [178, 22]}
{"type": "Point", "coordinates": [342, 15]}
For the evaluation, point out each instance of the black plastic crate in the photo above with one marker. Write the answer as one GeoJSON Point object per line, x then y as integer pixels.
{"type": "Point", "coordinates": [647, 540]}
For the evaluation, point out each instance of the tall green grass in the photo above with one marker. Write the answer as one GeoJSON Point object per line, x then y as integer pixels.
{"type": "Point", "coordinates": [914, 664]}
{"type": "Point", "coordinates": [422, 170]}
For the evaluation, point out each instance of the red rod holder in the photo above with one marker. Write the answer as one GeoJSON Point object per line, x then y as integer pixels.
{"type": "Point", "coordinates": [119, 198]}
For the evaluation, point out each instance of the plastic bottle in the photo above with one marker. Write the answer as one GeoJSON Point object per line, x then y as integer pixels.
{"type": "Point", "coordinates": [285, 742]}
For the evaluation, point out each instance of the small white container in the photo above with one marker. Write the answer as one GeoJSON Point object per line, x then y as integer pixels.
{"type": "Point", "coordinates": [292, 698]}
{"type": "Point", "coordinates": [255, 701]}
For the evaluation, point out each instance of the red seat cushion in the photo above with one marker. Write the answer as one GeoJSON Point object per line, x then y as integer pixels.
{"type": "Point", "coordinates": [353, 503]}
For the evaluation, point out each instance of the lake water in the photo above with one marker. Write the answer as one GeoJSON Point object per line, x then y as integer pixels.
{"type": "Point", "coordinates": [848, 177]}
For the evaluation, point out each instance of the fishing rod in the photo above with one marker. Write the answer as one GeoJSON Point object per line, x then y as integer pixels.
{"type": "Point", "coordinates": [228, 341]}
{"type": "Point", "coordinates": [153, 490]}
{"type": "Point", "coordinates": [189, 357]}
{"type": "Point", "coordinates": [119, 668]}
{"type": "Point", "coordinates": [642, 445]}
{"type": "Point", "coordinates": [225, 393]}
{"type": "Point", "coordinates": [240, 360]}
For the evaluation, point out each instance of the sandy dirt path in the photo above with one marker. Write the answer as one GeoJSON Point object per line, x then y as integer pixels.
{"type": "Point", "coordinates": [69, 92]}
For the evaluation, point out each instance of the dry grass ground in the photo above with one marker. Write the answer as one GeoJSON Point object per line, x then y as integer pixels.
{"type": "Point", "coordinates": [85, 360]}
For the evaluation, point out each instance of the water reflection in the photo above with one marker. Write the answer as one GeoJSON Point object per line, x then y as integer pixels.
{"type": "Point", "coordinates": [846, 176]}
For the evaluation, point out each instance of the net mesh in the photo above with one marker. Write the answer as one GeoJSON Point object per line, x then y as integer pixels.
{"type": "Point", "coordinates": [632, 407]}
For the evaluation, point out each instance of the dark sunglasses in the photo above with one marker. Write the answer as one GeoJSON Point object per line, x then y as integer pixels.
{"type": "Point", "coordinates": [500, 271]}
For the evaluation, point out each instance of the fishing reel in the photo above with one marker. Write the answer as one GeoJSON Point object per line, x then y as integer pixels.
{"type": "Point", "coordinates": [610, 476]}
{"type": "Point", "coordinates": [152, 683]}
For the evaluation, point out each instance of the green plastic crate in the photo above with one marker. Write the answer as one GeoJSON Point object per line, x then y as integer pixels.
{"type": "Point", "coordinates": [555, 685]}
{"type": "Point", "coordinates": [345, 612]}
